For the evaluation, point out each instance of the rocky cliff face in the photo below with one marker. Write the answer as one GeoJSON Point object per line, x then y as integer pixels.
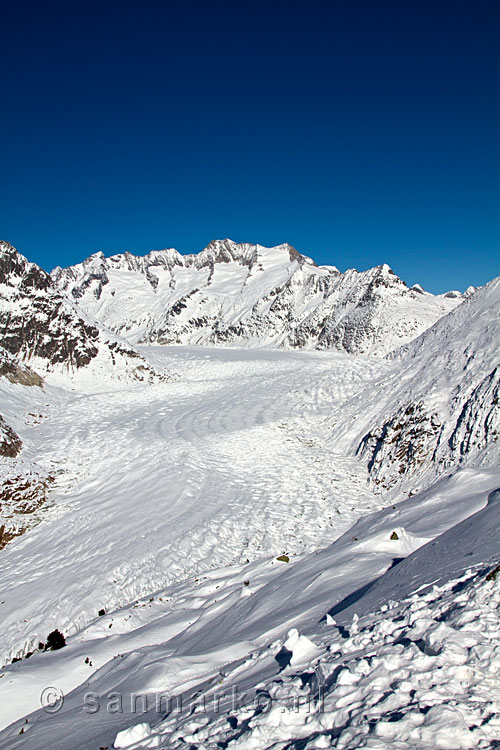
{"type": "Point", "coordinates": [249, 295]}
{"type": "Point", "coordinates": [440, 407]}
{"type": "Point", "coordinates": [10, 443]}
{"type": "Point", "coordinates": [41, 327]}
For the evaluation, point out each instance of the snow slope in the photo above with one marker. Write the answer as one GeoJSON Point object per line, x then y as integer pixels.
{"type": "Point", "coordinates": [439, 407]}
{"type": "Point", "coordinates": [260, 666]}
{"type": "Point", "coordinates": [165, 494]}
{"type": "Point", "coordinates": [226, 464]}
{"type": "Point", "coordinates": [250, 295]}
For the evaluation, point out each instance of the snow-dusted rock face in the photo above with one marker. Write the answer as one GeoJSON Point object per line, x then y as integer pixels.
{"type": "Point", "coordinates": [10, 443]}
{"type": "Point", "coordinates": [250, 295]}
{"type": "Point", "coordinates": [24, 492]}
{"type": "Point", "coordinates": [441, 405]}
{"type": "Point", "coordinates": [16, 372]}
{"type": "Point", "coordinates": [42, 327]}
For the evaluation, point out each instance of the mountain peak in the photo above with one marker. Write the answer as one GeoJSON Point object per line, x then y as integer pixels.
{"type": "Point", "coordinates": [225, 251]}
{"type": "Point", "coordinates": [6, 247]}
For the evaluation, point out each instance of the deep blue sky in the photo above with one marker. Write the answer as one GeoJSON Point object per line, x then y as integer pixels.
{"type": "Point", "coordinates": [360, 132]}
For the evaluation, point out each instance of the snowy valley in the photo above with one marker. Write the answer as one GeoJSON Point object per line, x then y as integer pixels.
{"type": "Point", "coordinates": [259, 497]}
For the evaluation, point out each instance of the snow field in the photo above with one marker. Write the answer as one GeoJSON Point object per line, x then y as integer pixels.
{"type": "Point", "coordinates": [171, 504]}
{"type": "Point", "coordinates": [158, 483]}
{"type": "Point", "coordinates": [419, 670]}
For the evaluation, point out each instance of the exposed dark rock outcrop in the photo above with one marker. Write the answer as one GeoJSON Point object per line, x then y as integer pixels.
{"type": "Point", "coordinates": [23, 492]}
{"type": "Point", "coordinates": [10, 443]}
{"type": "Point", "coordinates": [401, 446]}
{"type": "Point", "coordinates": [16, 372]}
{"type": "Point", "coordinates": [41, 326]}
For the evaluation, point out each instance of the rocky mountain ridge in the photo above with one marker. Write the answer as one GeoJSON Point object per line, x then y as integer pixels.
{"type": "Point", "coordinates": [249, 295]}
{"type": "Point", "coordinates": [42, 328]}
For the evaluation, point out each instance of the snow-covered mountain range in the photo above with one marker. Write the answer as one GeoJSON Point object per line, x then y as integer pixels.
{"type": "Point", "coordinates": [249, 295]}
{"type": "Point", "coordinates": [292, 544]}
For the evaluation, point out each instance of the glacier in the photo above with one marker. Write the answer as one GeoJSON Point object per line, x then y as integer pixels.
{"type": "Point", "coordinates": [281, 531]}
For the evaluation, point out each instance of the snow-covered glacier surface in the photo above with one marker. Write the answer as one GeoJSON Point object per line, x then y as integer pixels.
{"type": "Point", "coordinates": [170, 506]}
{"type": "Point", "coordinates": [254, 548]}
{"type": "Point", "coordinates": [226, 464]}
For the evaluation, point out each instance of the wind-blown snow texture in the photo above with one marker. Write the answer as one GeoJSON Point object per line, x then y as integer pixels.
{"type": "Point", "coordinates": [171, 508]}
{"type": "Point", "coordinates": [250, 295]}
